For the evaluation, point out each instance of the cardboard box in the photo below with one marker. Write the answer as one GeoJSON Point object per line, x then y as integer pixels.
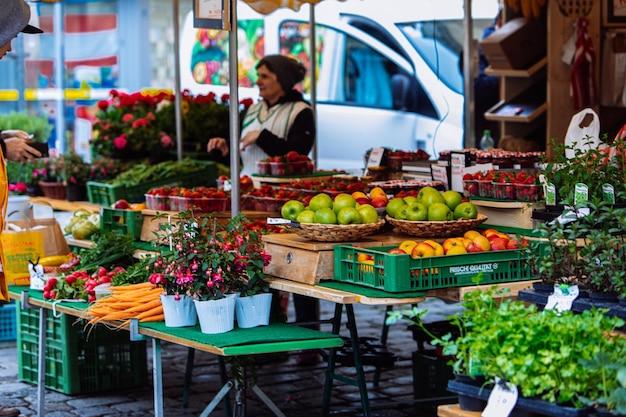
{"type": "Point", "coordinates": [516, 45]}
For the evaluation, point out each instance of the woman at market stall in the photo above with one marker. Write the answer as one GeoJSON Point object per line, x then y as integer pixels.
{"type": "Point", "coordinates": [281, 122]}
{"type": "Point", "coordinates": [13, 20]}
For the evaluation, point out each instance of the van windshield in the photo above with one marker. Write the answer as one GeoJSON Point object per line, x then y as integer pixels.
{"type": "Point", "coordinates": [440, 44]}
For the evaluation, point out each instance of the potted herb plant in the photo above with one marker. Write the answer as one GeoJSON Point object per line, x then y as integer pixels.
{"type": "Point", "coordinates": [51, 183]}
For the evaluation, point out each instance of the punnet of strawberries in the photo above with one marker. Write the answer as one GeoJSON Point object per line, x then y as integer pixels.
{"type": "Point", "coordinates": [503, 185]}
{"type": "Point", "coordinates": [292, 163]}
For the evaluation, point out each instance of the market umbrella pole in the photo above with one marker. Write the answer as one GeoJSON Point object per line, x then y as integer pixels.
{"type": "Point", "coordinates": [59, 75]}
{"type": "Point", "coordinates": [234, 110]}
{"type": "Point", "coordinates": [468, 77]}
{"type": "Point", "coordinates": [313, 79]}
{"type": "Point", "coordinates": [178, 98]}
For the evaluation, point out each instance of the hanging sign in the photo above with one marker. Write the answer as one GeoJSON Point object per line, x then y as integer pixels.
{"type": "Point", "coordinates": [211, 14]}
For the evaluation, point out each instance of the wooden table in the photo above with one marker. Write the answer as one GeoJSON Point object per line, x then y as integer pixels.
{"type": "Point", "coordinates": [342, 299]}
{"type": "Point", "coordinates": [139, 331]}
{"type": "Point", "coordinates": [64, 205]}
{"type": "Point", "coordinates": [453, 410]}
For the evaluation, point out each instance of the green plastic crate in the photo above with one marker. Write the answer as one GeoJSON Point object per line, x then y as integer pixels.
{"type": "Point", "coordinates": [107, 194]}
{"type": "Point", "coordinates": [79, 361]}
{"type": "Point", "coordinates": [126, 222]}
{"type": "Point", "coordinates": [400, 273]}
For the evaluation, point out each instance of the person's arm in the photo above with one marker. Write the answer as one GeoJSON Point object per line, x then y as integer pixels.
{"type": "Point", "coordinates": [300, 137]}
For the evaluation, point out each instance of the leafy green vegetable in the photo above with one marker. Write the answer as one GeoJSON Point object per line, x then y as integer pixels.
{"type": "Point", "coordinates": [110, 248]}
{"type": "Point", "coordinates": [135, 274]}
{"type": "Point", "coordinates": [142, 173]}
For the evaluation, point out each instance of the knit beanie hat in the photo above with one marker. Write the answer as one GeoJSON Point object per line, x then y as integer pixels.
{"type": "Point", "coordinates": [289, 72]}
{"type": "Point", "coordinates": [14, 19]}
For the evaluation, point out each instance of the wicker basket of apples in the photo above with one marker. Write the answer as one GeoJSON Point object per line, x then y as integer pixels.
{"type": "Point", "coordinates": [433, 213]}
{"type": "Point", "coordinates": [325, 219]}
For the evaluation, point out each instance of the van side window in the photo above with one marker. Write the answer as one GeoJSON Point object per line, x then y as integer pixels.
{"type": "Point", "coordinates": [209, 57]}
{"type": "Point", "coordinates": [372, 80]}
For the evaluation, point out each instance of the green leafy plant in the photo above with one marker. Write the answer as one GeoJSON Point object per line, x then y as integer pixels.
{"type": "Point", "coordinates": [540, 352]}
{"type": "Point", "coordinates": [37, 126]}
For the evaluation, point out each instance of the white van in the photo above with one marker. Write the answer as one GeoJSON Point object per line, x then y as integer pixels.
{"type": "Point", "coordinates": [388, 71]}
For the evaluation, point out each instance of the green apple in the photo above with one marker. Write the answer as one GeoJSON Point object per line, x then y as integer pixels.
{"type": "Point", "coordinates": [402, 213]}
{"type": "Point", "coordinates": [465, 211]}
{"type": "Point", "coordinates": [394, 206]}
{"type": "Point", "coordinates": [349, 215]}
{"type": "Point", "coordinates": [368, 213]}
{"type": "Point", "coordinates": [291, 209]}
{"type": "Point", "coordinates": [320, 201]}
{"type": "Point", "coordinates": [306, 216]}
{"type": "Point", "coordinates": [428, 196]}
{"type": "Point", "coordinates": [325, 215]}
{"type": "Point", "coordinates": [439, 212]}
{"type": "Point", "coordinates": [416, 212]}
{"type": "Point", "coordinates": [343, 201]}
{"type": "Point", "coordinates": [452, 199]}
{"type": "Point", "coordinates": [410, 199]}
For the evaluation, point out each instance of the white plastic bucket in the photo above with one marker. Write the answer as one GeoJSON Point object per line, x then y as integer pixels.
{"type": "Point", "coordinates": [216, 316]}
{"type": "Point", "coordinates": [19, 208]}
{"type": "Point", "coordinates": [178, 313]}
{"type": "Point", "coordinates": [253, 311]}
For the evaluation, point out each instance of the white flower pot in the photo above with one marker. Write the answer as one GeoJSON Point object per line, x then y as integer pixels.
{"type": "Point", "coordinates": [253, 311]}
{"type": "Point", "coordinates": [216, 316]}
{"type": "Point", "coordinates": [178, 313]}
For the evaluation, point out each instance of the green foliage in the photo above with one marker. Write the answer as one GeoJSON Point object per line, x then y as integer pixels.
{"type": "Point", "coordinates": [135, 274]}
{"type": "Point", "coordinates": [543, 353]}
{"type": "Point", "coordinates": [594, 168]}
{"type": "Point", "coordinates": [38, 126]}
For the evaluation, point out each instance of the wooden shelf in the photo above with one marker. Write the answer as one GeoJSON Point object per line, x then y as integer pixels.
{"type": "Point", "coordinates": [453, 410]}
{"type": "Point", "coordinates": [527, 115]}
{"type": "Point", "coordinates": [64, 205]}
{"type": "Point", "coordinates": [526, 73]}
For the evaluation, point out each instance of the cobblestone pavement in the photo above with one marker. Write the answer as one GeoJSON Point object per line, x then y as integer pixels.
{"type": "Point", "coordinates": [296, 390]}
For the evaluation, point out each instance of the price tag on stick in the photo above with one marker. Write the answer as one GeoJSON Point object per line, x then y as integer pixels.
{"type": "Point", "coordinates": [501, 401]}
{"type": "Point", "coordinates": [562, 298]}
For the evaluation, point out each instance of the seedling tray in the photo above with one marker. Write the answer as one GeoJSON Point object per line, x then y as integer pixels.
{"type": "Point", "coordinates": [401, 273]}
{"type": "Point", "coordinates": [579, 305]}
{"type": "Point", "coordinates": [538, 407]}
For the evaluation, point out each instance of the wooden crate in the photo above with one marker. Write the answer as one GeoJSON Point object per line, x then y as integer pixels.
{"type": "Point", "coordinates": [153, 219]}
{"type": "Point", "coordinates": [298, 259]}
{"type": "Point", "coordinates": [507, 214]}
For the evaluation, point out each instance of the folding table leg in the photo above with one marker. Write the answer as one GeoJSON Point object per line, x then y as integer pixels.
{"type": "Point", "coordinates": [383, 341]}
{"type": "Point", "coordinates": [360, 374]}
{"type": "Point", "coordinates": [330, 370]}
{"type": "Point", "coordinates": [191, 353]}
{"type": "Point", "coordinates": [240, 399]}
{"type": "Point", "coordinates": [228, 412]}
{"type": "Point", "coordinates": [157, 378]}
{"type": "Point", "coordinates": [267, 401]}
{"type": "Point", "coordinates": [41, 365]}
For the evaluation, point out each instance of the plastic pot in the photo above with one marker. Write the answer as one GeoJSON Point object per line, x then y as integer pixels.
{"type": "Point", "coordinates": [253, 311]}
{"type": "Point", "coordinates": [178, 313]}
{"type": "Point", "coordinates": [216, 316]}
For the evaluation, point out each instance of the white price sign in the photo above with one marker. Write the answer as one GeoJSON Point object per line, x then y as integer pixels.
{"type": "Point", "coordinates": [376, 157]}
{"type": "Point", "coordinates": [501, 401]}
{"type": "Point", "coordinates": [562, 298]}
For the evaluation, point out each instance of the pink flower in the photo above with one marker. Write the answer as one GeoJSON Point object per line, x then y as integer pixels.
{"type": "Point", "coordinates": [266, 258]}
{"type": "Point", "coordinates": [150, 116]}
{"type": "Point", "coordinates": [156, 279]}
{"type": "Point", "coordinates": [127, 118]}
{"type": "Point", "coordinates": [210, 284]}
{"type": "Point", "coordinates": [166, 140]}
{"type": "Point", "coordinates": [184, 278]}
{"type": "Point", "coordinates": [120, 142]}
{"type": "Point", "coordinates": [103, 105]}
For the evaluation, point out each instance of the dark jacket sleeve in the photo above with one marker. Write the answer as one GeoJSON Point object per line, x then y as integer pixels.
{"type": "Point", "coordinates": [299, 138]}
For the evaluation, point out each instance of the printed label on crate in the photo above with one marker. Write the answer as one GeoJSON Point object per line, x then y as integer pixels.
{"type": "Point", "coordinates": [474, 269]}
{"type": "Point", "coordinates": [562, 298]}
{"type": "Point", "coordinates": [376, 157]}
{"type": "Point", "coordinates": [501, 401]}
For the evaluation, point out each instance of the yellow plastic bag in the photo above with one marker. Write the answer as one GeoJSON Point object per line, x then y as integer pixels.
{"type": "Point", "coordinates": [17, 249]}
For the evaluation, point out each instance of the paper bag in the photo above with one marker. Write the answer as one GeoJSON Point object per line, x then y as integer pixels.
{"type": "Point", "coordinates": [36, 239]}
{"type": "Point", "coordinates": [17, 249]}
{"type": "Point", "coordinates": [53, 239]}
